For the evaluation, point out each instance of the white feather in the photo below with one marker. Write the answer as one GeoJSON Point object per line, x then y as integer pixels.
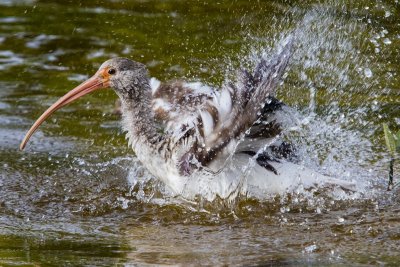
{"type": "Point", "coordinates": [154, 84]}
{"type": "Point", "coordinates": [208, 123]}
{"type": "Point", "coordinates": [199, 87]}
{"type": "Point", "coordinates": [243, 176]}
{"type": "Point", "coordinates": [223, 103]}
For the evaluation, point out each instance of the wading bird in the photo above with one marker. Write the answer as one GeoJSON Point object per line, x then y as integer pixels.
{"type": "Point", "coordinates": [201, 141]}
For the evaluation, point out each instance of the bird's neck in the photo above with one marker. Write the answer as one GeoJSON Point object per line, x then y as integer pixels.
{"type": "Point", "coordinates": [139, 121]}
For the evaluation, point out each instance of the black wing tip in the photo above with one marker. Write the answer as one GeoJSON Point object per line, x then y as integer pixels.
{"type": "Point", "coordinates": [276, 64]}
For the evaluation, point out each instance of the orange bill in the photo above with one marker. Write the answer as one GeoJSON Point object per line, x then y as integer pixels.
{"type": "Point", "coordinates": [96, 82]}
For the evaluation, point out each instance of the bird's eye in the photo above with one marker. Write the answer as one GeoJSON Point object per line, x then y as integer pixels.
{"type": "Point", "coordinates": [111, 71]}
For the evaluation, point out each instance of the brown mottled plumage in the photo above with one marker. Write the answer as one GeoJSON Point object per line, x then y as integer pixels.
{"type": "Point", "coordinates": [180, 129]}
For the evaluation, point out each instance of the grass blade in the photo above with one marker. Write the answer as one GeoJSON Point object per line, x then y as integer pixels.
{"type": "Point", "coordinates": [389, 139]}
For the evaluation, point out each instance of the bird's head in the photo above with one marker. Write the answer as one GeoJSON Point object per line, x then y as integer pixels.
{"type": "Point", "coordinates": [125, 76]}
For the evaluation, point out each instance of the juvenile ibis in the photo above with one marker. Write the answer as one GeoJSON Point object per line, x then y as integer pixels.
{"type": "Point", "coordinates": [201, 141]}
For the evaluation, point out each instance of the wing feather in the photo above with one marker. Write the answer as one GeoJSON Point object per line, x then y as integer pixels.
{"type": "Point", "coordinates": [247, 99]}
{"type": "Point", "coordinates": [216, 118]}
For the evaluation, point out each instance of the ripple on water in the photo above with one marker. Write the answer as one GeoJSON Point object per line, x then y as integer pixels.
{"type": "Point", "coordinates": [40, 40]}
{"type": "Point", "coordinates": [77, 77]}
{"type": "Point", "coordinates": [16, 2]}
{"type": "Point", "coordinates": [13, 130]}
{"type": "Point", "coordinates": [100, 53]}
{"type": "Point", "coordinates": [12, 20]}
{"type": "Point", "coordinates": [9, 59]}
{"type": "Point", "coordinates": [4, 106]}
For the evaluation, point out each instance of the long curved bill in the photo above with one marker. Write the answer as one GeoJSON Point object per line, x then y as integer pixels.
{"type": "Point", "coordinates": [94, 83]}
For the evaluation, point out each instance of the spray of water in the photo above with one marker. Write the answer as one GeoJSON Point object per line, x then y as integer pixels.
{"type": "Point", "coordinates": [332, 87]}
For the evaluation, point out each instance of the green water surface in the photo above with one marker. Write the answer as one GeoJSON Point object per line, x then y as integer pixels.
{"type": "Point", "coordinates": [71, 198]}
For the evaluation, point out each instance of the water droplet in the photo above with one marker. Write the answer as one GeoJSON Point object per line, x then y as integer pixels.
{"type": "Point", "coordinates": [387, 41]}
{"type": "Point", "coordinates": [374, 42]}
{"type": "Point", "coordinates": [124, 202]}
{"type": "Point", "coordinates": [368, 72]}
{"type": "Point", "coordinates": [310, 249]}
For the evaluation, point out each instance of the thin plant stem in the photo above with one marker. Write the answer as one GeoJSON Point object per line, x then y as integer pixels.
{"type": "Point", "coordinates": [390, 185]}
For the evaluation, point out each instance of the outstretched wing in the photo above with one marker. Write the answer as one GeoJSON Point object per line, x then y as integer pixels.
{"type": "Point", "coordinates": [215, 119]}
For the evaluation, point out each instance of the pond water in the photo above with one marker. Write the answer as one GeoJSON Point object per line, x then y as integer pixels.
{"type": "Point", "coordinates": [78, 196]}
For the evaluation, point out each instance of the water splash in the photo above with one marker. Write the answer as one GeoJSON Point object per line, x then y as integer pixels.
{"type": "Point", "coordinates": [336, 126]}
